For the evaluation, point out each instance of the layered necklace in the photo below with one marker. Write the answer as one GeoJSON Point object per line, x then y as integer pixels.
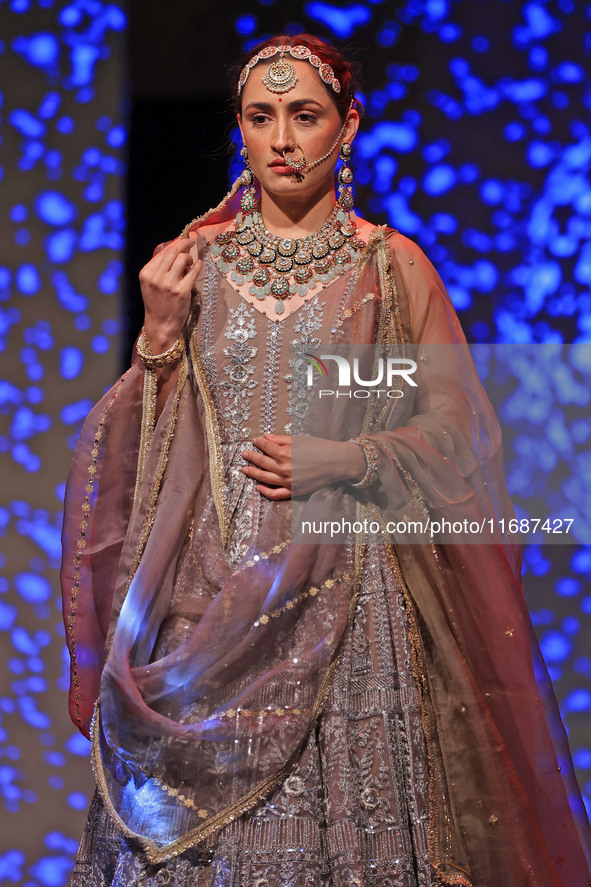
{"type": "Point", "coordinates": [285, 266]}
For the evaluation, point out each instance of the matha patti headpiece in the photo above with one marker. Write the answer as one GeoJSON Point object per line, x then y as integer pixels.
{"type": "Point", "coordinates": [281, 73]}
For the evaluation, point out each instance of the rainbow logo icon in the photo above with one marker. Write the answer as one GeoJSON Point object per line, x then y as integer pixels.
{"type": "Point", "coordinates": [316, 362]}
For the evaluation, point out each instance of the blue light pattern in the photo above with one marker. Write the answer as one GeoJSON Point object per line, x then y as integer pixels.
{"type": "Point", "coordinates": [60, 269]}
{"type": "Point", "coordinates": [487, 169]}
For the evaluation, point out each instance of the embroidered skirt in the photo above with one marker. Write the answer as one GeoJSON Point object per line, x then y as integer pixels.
{"type": "Point", "coordinates": [354, 809]}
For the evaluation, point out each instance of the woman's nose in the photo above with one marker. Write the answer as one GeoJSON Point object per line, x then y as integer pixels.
{"type": "Point", "coordinates": [282, 139]}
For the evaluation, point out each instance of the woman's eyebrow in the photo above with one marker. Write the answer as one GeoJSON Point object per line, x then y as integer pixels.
{"type": "Point", "coordinates": [293, 106]}
{"type": "Point", "coordinates": [299, 103]}
{"type": "Point", "coordinates": [262, 106]}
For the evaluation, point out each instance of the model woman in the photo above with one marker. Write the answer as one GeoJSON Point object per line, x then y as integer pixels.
{"type": "Point", "coordinates": [279, 713]}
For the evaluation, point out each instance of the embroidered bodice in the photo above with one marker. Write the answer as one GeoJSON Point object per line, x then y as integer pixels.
{"type": "Point", "coordinates": [255, 367]}
{"type": "Point", "coordinates": [251, 361]}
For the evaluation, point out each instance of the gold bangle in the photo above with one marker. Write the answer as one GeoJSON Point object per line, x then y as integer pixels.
{"type": "Point", "coordinates": [153, 361]}
{"type": "Point", "coordinates": [372, 457]}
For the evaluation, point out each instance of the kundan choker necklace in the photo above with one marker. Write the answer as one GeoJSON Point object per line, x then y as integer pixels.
{"type": "Point", "coordinates": [286, 266]}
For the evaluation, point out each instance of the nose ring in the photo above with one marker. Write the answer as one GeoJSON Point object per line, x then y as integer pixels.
{"type": "Point", "coordinates": [297, 165]}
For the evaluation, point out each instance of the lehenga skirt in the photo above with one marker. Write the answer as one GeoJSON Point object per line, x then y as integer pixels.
{"type": "Point", "coordinates": [354, 808]}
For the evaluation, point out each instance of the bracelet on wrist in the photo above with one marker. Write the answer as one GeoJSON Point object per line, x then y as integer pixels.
{"type": "Point", "coordinates": [154, 361]}
{"type": "Point", "coordinates": [372, 458]}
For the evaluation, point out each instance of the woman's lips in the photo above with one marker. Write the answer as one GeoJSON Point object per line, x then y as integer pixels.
{"type": "Point", "coordinates": [281, 168]}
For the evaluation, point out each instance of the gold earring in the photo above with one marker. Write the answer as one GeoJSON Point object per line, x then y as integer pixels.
{"type": "Point", "coordinates": [248, 200]}
{"type": "Point", "coordinates": [345, 178]}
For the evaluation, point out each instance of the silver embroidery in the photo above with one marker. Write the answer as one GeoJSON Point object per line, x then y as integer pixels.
{"type": "Point", "coordinates": [236, 389]}
{"type": "Point", "coordinates": [309, 321]}
{"type": "Point", "coordinates": [336, 333]}
{"type": "Point", "coordinates": [242, 502]}
{"type": "Point", "coordinates": [270, 377]}
{"type": "Point", "coordinates": [240, 535]}
{"type": "Point", "coordinates": [206, 321]}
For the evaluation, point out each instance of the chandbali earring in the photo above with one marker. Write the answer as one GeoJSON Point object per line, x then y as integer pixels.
{"type": "Point", "coordinates": [345, 178]}
{"type": "Point", "coordinates": [248, 200]}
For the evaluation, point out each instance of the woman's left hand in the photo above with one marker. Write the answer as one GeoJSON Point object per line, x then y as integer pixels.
{"type": "Point", "coordinates": [320, 463]}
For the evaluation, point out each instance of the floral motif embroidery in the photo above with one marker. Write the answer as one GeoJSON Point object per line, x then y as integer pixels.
{"type": "Point", "coordinates": [309, 321]}
{"type": "Point", "coordinates": [237, 387]}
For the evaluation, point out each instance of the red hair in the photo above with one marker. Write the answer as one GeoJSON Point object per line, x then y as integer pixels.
{"type": "Point", "coordinates": [345, 71]}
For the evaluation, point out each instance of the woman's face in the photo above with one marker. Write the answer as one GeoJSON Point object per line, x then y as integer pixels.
{"type": "Point", "coordinates": [307, 116]}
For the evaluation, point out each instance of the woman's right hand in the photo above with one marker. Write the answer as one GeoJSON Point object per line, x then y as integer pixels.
{"type": "Point", "coordinates": [166, 283]}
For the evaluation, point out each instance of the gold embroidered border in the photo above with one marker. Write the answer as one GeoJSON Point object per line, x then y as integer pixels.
{"type": "Point", "coordinates": [80, 546]}
{"type": "Point", "coordinates": [149, 402]}
{"type": "Point", "coordinates": [216, 461]}
{"type": "Point", "coordinates": [376, 236]}
{"type": "Point", "coordinates": [349, 312]}
{"type": "Point", "coordinates": [231, 713]}
{"type": "Point", "coordinates": [366, 253]}
{"type": "Point", "coordinates": [310, 592]}
{"type": "Point", "coordinates": [156, 854]}
{"type": "Point", "coordinates": [227, 598]}
{"type": "Point", "coordinates": [397, 329]}
{"type": "Point", "coordinates": [388, 331]}
{"type": "Point", "coordinates": [264, 555]}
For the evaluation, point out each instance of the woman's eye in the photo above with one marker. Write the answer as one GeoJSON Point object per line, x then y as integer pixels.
{"type": "Point", "coordinates": [258, 119]}
{"type": "Point", "coordinates": [305, 117]}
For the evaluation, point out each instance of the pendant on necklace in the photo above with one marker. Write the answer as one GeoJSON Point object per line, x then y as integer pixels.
{"type": "Point", "coordinates": [250, 252]}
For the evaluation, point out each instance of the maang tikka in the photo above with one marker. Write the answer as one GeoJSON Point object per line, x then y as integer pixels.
{"type": "Point", "coordinates": [345, 178]}
{"type": "Point", "coordinates": [280, 76]}
{"type": "Point", "coordinates": [248, 199]}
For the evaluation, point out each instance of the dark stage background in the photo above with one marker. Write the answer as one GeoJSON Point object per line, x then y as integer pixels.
{"type": "Point", "coordinates": [116, 131]}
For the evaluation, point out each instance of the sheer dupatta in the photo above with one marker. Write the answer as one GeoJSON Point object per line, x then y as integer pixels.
{"type": "Point", "coordinates": [187, 742]}
{"type": "Point", "coordinates": [502, 775]}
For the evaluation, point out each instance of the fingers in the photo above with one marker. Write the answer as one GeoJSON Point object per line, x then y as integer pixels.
{"type": "Point", "coordinates": [274, 493]}
{"type": "Point", "coordinates": [273, 463]}
{"type": "Point", "coordinates": [174, 273]}
{"type": "Point", "coordinates": [272, 444]}
{"type": "Point", "coordinates": [181, 264]}
{"type": "Point", "coordinates": [261, 467]}
{"type": "Point", "coordinates": [266, 467]}
{"type": "Point", "coordinates": [185, 267]}
{"type": "Point", "coordinates": [179, 247]}
{"type": "Point", "coordinates": [262, 476]}
{"type": "Point", "coordinates": [167, 283]}
{"type": "Point", "coordinates": [281, 439]}
{"type": "Point", "coordinates": [193, 273]}
{"type": "Point", "coordinates": [165, 255]}
{"type": "Point", "coordinates": [163, 260]}
{"type": "Point", "coordinates": [260, 460]}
